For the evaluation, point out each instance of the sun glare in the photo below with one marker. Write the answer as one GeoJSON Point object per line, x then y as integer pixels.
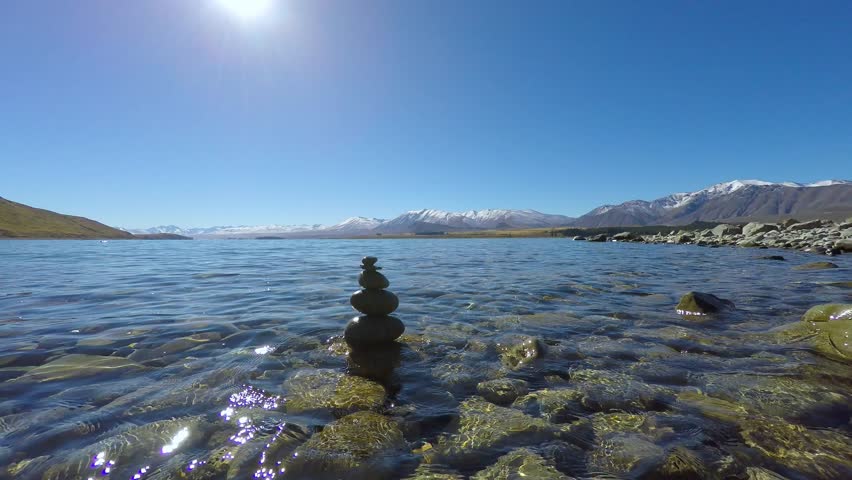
{"type": "Point", "coordinates": [247, 9]}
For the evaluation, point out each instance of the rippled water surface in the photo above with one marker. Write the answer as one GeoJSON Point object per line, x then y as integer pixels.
{"type": "Point", "coordinates": [522, 358]}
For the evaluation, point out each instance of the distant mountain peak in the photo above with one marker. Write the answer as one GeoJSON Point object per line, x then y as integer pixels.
{"type": "Point", "coordinates": [729, 201]}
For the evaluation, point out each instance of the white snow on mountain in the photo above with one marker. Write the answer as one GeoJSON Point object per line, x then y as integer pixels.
{"type": "Point", "coordinates": [678, 200]}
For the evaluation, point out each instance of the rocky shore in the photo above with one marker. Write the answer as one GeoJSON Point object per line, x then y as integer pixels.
{"type": "Point", "coordinates": [818, 236]}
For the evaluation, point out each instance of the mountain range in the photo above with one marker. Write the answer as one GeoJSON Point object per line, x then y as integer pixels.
{"type": "Point", "coordinates": [735, 201]}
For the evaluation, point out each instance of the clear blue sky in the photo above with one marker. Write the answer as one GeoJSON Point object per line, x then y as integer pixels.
{"type": "Point", "coordinates": [140, 113]}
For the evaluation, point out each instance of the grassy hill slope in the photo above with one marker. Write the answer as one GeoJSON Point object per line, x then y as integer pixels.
{"type": "Point", "coordinates": [21, 221]}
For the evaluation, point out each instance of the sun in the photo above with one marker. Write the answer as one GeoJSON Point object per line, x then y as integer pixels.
{"type": "Point", "coordinates": [247, 9]}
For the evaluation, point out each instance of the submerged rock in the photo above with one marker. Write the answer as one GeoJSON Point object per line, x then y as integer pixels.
{"type": "Point", "coordinates": [363, 445]}
{"type": "Point", "coordinates": [561, 405]}
{"type": "Point", "coordinates": [817, 454]}
{"type": "Point", "coordinates": [313, 390]}
{"type": "Point", "coordinates": [121, 454]}
{"type": "Point", "coordinates": [628, 454]}
{"type": "Point", "coordinates": [483, 427]}
{"type": "Point", "coordinates": [520, 463]}
{"type": "Point", "coordinates": [502, 391]}
{"type": "Point", "coordinates": [518, 350]}
{"type": "Point", "coordinates": [699, 303]}
{"type": "Point", "coordinates": [816, 266]}
{"type": "Point", "coordinates": [426, 471]}
{"type": "Point", "coordinates": [828, 312]}
{"type": "Point", "coordinates": [79, 366]}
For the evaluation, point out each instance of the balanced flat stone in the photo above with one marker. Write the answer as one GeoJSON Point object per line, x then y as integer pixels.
{"type": "Point", "coordinates": [376, 304]}
{"type": "Point", "coordinates": [374, 329]}
{"type": "Point", "coordinates": [372, 279]}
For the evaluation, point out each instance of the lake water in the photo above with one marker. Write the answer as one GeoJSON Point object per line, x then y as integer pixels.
{"type": "Point", "coordinates": [222, 359]}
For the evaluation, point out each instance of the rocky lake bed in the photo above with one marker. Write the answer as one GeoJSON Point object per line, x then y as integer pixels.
{"type": "Point", "coordinates": [521, 358]}
{"type": "Point", "coordinates": [825, 237]}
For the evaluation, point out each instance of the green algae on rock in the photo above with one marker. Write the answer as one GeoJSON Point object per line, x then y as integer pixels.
{"type": "Point", "coordinates": [819, 454]}
{"type": "Point", "coordinates": [363, 445]}
{"type": "Point", "coordinates": [325, 389]}
{"type": "Point", "coordinates": [78, 365]}
{"type": "Point", "coordinates": [828, 312]}
{"type": "Point", "coordinates": [502, 391]}
{"type": "Point", "coordinates": [559, 405]}
{"type": "Point", "coordinates": [483, 426]}
{"type": "Point", "coordinates": [625, 454]}
{"type": "Point", "coordinates": [518, 350]}
{"type": "Point", "coordinates": [520, 463]}
{"type": "Point", "coordinates": [699, 303]}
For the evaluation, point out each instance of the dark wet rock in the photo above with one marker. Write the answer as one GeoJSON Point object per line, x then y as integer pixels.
{"type": "Point", "coordinates": [771, 257]}
{"type": "Point", "coordinates": [365, 329]}
{"type": "Point", "coordinates": [817, 454]}
{"type": "Point", "coordinates": [374, 302]}
{"type": "Point", "coordinates": [502, 391]}
{"type": "Point", "coordinates": [699, 303]}
{"type": "Point", "coordinates": [363, 445]}
{"type": "Point", "coordinates": [579, 238]}
{"type": "Point", "coordinates": [754, 228]}
{"type": "Point", "coordinates": [520, 463]}
{"type": "Point", "coordinates": [598, 238]}
{"type": "Point", "coordinates": [557, 405]}
{"type": "Point", "coordinates": [844, 245]}
{"type": "Point", "coordinates": [684, 238]}
{"type": "Point", "coordinates": [816, 266]}
{"type": "Point", "coordinates": [828, 312]}
{"type": "Point", "coordinates": [626, 454]}
{"type": "Point", "coordinates": [330, 390]}
{"type": "Point", "coordinates": [375, 326]}
{"type": "Point", "coordinates": [79, 366]}
{"type": "Point", "coordinates": [724, 229]}
{"type": "Point", "coordinates": [517, 351]}
{"type": "Point", "coordinates": [371, 279]}
{"type": "Point", "coordinates": [22, 358]}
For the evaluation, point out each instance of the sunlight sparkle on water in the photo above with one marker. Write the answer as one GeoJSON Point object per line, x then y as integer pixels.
{"type": "Point", "coordinates": [179, 437]}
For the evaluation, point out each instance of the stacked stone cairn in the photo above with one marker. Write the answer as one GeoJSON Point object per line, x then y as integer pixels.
{"type": "Point", "coordinates": [376, 325]}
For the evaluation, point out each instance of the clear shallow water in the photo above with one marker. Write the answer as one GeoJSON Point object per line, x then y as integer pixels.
{"type": "Point", "coordinates": [153, 353]}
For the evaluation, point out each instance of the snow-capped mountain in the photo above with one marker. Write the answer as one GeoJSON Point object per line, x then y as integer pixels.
{"type": "Point", "coordinates": [418, 221]}
{"type": "Point", "coordinates": [421, 221]}
{"type": "Point", "coordinates": [737, 200]}
{"type": "Point", "coordinates": [355, 226]}
{"type": "Point", "coordinates": [231, 231]}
